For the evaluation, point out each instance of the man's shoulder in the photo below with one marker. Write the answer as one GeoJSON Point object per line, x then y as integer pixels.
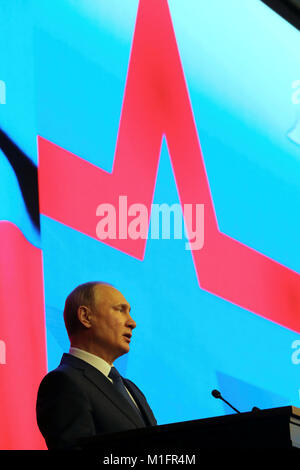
{"type": "Point", "coordinates": [63, 377]}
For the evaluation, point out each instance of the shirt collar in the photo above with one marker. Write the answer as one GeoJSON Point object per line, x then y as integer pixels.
{"type": "Point", "coordinates": [92, 359]}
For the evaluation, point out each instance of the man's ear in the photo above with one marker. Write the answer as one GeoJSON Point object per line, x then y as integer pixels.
{"type": "Point", "coordinates": [84, 316]}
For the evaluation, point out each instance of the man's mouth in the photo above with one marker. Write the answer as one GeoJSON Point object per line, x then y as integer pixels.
{"type": "Point", "coordinates": [128, 336]}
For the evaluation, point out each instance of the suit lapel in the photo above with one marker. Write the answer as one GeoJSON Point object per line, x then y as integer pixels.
{"type": "Point", "coordinates": [106, 387]}
{"type": "Point", "coordinates": [141, 401]}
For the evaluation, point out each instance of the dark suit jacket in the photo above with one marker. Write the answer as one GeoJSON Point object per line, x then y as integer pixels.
{"type": "Point", "coordinates": [76, 401]}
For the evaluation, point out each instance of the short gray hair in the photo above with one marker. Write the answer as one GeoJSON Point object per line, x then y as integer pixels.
{"type": "Point", "coordinates": [81, 295]}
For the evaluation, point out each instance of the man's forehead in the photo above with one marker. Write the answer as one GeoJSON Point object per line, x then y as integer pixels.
{"type": "Point", "coordinates": [107, 293]}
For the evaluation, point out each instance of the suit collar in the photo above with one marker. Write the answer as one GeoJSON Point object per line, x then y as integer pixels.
{"type": "Point", "coordinates": [106, 387]}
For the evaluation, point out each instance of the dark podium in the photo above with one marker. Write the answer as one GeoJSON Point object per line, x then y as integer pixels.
{"type": "Point", "coordinates": [263, 429]}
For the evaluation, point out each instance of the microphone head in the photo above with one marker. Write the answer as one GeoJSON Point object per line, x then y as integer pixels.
{"type": "Point", "coordinates": [216, 394]}
{"type": "Point", "coordinates": [255, 408]}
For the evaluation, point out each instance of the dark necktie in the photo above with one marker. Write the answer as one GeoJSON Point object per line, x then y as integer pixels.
{"type": "Point", "coordinates": [119, 385]}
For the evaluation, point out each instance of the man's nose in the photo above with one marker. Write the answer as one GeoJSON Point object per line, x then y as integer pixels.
{"type": "Point", "coordinates": [130, 322]}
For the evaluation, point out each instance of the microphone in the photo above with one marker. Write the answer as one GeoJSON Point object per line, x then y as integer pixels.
{"type": "Point", "coordinates": [217, 394]}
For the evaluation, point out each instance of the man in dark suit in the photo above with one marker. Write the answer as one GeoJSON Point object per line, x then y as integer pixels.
{"type": "Point", "coordinates": [86, 395]}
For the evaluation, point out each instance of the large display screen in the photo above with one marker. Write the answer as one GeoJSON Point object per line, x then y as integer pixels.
{"type": "Point", "coordinates": [153, 145]}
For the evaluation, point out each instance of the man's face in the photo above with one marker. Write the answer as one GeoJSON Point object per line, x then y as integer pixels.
{"type": "Point", "coordinates": [112, 324]}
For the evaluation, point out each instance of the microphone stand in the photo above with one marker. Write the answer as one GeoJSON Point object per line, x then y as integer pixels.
{"type": "Point", "coordinates": [217, 394]}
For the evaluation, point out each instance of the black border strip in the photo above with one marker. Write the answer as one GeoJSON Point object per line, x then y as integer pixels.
{"type": "Point", "coordinates": [286, 9]}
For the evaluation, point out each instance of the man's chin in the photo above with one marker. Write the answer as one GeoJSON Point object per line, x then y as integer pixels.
{"type": "Point", "coordinates": [126, 342]}
{"type": "Point", "coordinates": [124, 349]}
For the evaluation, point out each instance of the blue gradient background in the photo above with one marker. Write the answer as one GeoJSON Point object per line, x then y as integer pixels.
{"type": "Point", "coordinates": [65, 63]}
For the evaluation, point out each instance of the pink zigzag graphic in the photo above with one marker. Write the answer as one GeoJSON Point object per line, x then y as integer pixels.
{"type": "Point", "coordinates": [156, 103]}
